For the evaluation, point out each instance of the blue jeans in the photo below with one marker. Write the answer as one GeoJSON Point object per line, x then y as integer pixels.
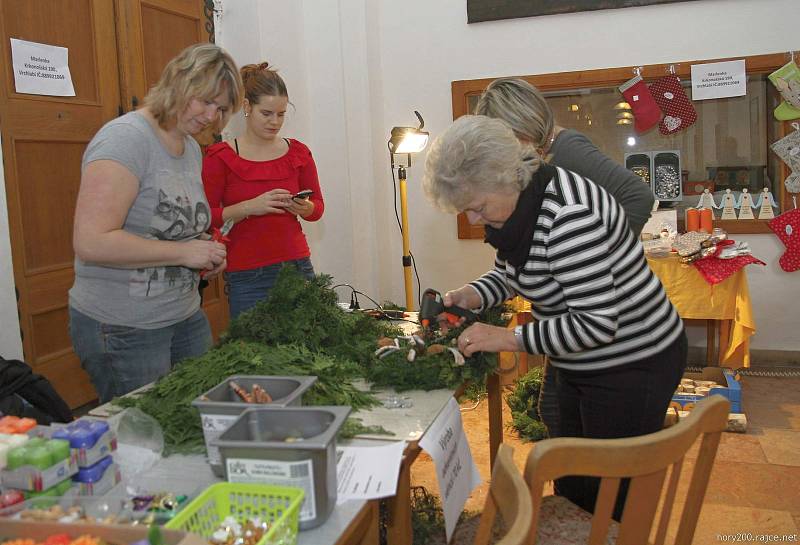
{"type": "Point", "coordinates": [246, 288]}
{"type": "Point", "coordinates": [120, 359]}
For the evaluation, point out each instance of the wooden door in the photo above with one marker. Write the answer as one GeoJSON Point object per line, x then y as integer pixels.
{"type": "Point", "coordinates": [43, 141]}
{"type": "Point", "coordinates": [150, 33]}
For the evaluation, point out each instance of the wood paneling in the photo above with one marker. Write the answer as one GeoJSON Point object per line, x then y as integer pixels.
{"type": "Point", "coordinates": [49, 176]}
{"type": "Point", "coordinates": [43, 140]}
{"type": "Point", "coordinates": [55, 23]}
{"type": "Point", "coordinates": [166, 33]}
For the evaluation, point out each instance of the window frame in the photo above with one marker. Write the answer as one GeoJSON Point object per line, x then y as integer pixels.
{"type": "Point", "coordinates": [462, 90]}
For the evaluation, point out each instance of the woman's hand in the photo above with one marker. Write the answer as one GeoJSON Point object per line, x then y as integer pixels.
{"type": "Point", "coordinates": [300, 207]}
{"type": "Point", "coordinates": [203, 255]}
{"type": "Point", "coordinates": [208, 274]}
{"type": "Point", "coordinates": [269, 202]}
{"type": "Point", "coordinates": [464, 297]}
{"type": "Point", "coordinates": [486, 338]}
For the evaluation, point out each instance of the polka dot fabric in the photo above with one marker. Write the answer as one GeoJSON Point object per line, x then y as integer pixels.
{"type": "Point", "coordinates": [715, 270]}
{"type": "Point", "coordinates": [670, 97]}
{"type": "Point", "coordinates": [787, 228]}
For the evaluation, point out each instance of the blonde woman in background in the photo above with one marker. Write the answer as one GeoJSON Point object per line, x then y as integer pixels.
{"type": "Point", "coordinates": [140, 224]}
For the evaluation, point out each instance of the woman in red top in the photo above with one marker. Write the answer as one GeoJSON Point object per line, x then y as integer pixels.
{"type": "Point", "coordinates": [252, 182]}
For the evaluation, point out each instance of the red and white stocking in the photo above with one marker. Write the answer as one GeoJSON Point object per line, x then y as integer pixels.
{"type": "Point", "coordinates": [645, 110]}
{"type": "Point", "coordinates": [671, 98]}
{"type": "Point", "coordinates": [787, 228]}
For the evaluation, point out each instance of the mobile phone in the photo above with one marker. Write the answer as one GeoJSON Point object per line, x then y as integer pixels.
{"type": "Point", "coordinates": [304, 194]}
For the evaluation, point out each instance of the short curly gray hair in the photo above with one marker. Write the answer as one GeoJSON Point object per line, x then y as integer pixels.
{"type": "Point", "coordinates": [476, 154]}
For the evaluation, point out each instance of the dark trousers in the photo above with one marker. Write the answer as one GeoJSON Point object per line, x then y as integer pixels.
{"type": "Point", "coordinates": [625, 401]}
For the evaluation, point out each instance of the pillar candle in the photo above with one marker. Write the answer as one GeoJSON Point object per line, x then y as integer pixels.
{"type": "Point", "coordinates": [706, 220]}
{"type": "Point", "coordinates": [692, 220]}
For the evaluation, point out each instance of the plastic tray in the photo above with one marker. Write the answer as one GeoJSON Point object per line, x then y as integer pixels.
{"type": "Point", "coordinates": [277, 505]}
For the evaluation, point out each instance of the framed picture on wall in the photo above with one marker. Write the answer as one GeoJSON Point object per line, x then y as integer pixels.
{"type": "Point", "coordinates": [494, 10]}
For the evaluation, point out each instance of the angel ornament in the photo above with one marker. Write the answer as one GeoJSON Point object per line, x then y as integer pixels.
{"type": "Point", "coordinates": [706, 200]}
{"type": "Point", "coordinates": [766, 203]}
{"type": "Point", "coordinates": [728, 204]}
{"type": "Point", "coordinates": [745, 205]}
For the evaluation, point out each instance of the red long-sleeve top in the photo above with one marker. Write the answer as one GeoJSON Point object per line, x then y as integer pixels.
{"type": "Point", "coordinates": [259, 241]}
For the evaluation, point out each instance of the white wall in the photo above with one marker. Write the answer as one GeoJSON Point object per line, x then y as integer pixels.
{"type": "Point", "coordinates": [355, 68]}
{"type": "Point", "coordinates": [10, 341]}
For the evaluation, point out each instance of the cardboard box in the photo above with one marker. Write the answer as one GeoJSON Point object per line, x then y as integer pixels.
{"type": "Point", "coordinates": [110, 533]}
{"type": "Point", "coordinates": [730, 388]}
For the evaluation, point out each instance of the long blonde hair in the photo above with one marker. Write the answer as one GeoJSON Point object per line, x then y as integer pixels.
{"type": "Point", "coordinates": [522, 106]}
{"type": "Point", "coordinates": [202, 71]}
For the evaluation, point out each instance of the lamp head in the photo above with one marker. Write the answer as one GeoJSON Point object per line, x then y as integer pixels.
{"type": "Point", "coordinates": [408, 139]}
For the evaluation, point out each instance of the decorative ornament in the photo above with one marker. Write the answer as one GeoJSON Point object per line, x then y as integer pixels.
{"type": "Point", "coordinates": [728, 204]}
{"type": "Point", "coordinates": [745, 205]}
{"type": "Point", "coordinates": [706, 200]}
{"type": "Point", "coordinates": [786, 79]}
{"type": "Point", "coordinates": [788, 149]}
{"type": "Point", "coordinates": [787, 228]}
{"type": "Point", "coordinates": [645, 110]}
{"type": "Point", "coordinates": [671, 98]}
{"type": "Point", "coordinates": [765, 204]}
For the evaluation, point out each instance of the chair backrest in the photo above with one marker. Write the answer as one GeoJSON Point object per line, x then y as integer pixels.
{"type": "Point", "coordinates": [646, 460]}
{"type": "Point", "coordinates": [509, 495]}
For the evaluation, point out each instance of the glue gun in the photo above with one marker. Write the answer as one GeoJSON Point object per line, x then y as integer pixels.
{"type": "Point", "coordinates": [433, 306]}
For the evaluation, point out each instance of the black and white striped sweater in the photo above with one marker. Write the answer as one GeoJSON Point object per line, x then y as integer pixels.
{"type": "Point", "coordinates": [595, 301]}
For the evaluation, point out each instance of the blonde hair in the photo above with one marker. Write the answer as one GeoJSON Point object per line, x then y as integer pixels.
{"type": "Point", "coordinates": [522, 106]}
{"type": "Point", "coordinates": [476, 154]}
{"type": "Point", "coordinates": [201, 71]}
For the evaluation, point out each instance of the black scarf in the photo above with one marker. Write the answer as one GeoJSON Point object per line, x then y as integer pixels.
{"type": "Point", "coordinates": [514, 239]}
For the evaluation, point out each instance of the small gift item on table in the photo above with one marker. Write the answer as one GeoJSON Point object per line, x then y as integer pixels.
{"type": "Point", "coordinates": [706, 220]}
{"type": "Point", "coordinates": [692, 219]}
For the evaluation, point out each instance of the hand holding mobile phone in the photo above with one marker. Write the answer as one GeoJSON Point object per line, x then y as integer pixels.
{"type": "Point", "coordinates": [304, 194]}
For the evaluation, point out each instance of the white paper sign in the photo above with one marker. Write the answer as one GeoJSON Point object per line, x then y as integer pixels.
{"type": "Point", "coordinates": [719, 80]}
{"type": "Point", "coordinates": [41, 69]}
{"type": "Point", "coordinates": [365, 473]}
{"type": "Point", "coordinates": [455, 470]}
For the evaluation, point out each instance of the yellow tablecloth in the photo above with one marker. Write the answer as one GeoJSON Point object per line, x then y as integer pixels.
{"type": "Point", "coordinates": [729, 301]}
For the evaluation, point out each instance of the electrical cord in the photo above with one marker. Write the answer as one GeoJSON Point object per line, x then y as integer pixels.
{"type": "Point", "coordinates": [400, 226]}
{"type": "Point", "coordinates": [354, 305]}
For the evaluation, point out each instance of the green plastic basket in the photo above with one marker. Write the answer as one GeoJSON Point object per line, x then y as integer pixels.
{"type": "Point", "coordinates": [278, 505]}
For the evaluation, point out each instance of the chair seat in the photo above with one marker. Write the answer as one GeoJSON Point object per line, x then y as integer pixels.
{"type": "Point", "coordinates": [561, 522]}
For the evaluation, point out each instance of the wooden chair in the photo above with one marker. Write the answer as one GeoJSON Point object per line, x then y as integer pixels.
{"type": "Point", "coordinates": [646, 461]}
{"type": "Point", "coordinates": [508, 495]}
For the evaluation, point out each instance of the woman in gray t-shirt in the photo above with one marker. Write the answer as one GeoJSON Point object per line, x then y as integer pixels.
{"type": "Point", "coordinates": [526, 111]}
{"type": "Point", "coordinates": [140, 224]}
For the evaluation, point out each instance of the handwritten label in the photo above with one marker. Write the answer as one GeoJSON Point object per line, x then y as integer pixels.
{"type": "Point", "coordinates": [456, 473]}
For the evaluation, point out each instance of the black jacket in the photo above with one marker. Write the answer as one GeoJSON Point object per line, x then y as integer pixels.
{"type": "Point", "coordinates": [18, 382]}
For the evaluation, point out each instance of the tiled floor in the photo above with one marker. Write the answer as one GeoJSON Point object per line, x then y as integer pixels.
{"type": "Point", "coordinates": [755, 484]}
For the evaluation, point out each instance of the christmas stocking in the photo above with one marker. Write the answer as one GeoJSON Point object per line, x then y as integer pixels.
{"type": "Point", "coordinates": [670, 97]}
{"type": "Point", "coordinates": [645, 110]}
{"type": "Point", "coordinates": [787, 228]}
{"type": "Point", "coordinates": [787, 80]}
{"type": "Point", "coordinates": [788, 149]}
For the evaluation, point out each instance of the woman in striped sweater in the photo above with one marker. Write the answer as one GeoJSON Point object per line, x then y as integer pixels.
{"type": "Point", "coordinates": [616, 343]}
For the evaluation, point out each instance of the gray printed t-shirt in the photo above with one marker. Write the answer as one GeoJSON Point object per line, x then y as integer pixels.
{"type": "Point", "coordinates": [171, 205]}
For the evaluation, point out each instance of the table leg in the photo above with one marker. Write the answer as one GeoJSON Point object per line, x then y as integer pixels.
{"type": "Point", "coordinates": [725, 327]}
{"type": "Point", "coordinates": [711, 340]}
{"type": "Point", "coordinates": [495, 403]}
{"type": "Point", "coordinates": [398, 527]}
